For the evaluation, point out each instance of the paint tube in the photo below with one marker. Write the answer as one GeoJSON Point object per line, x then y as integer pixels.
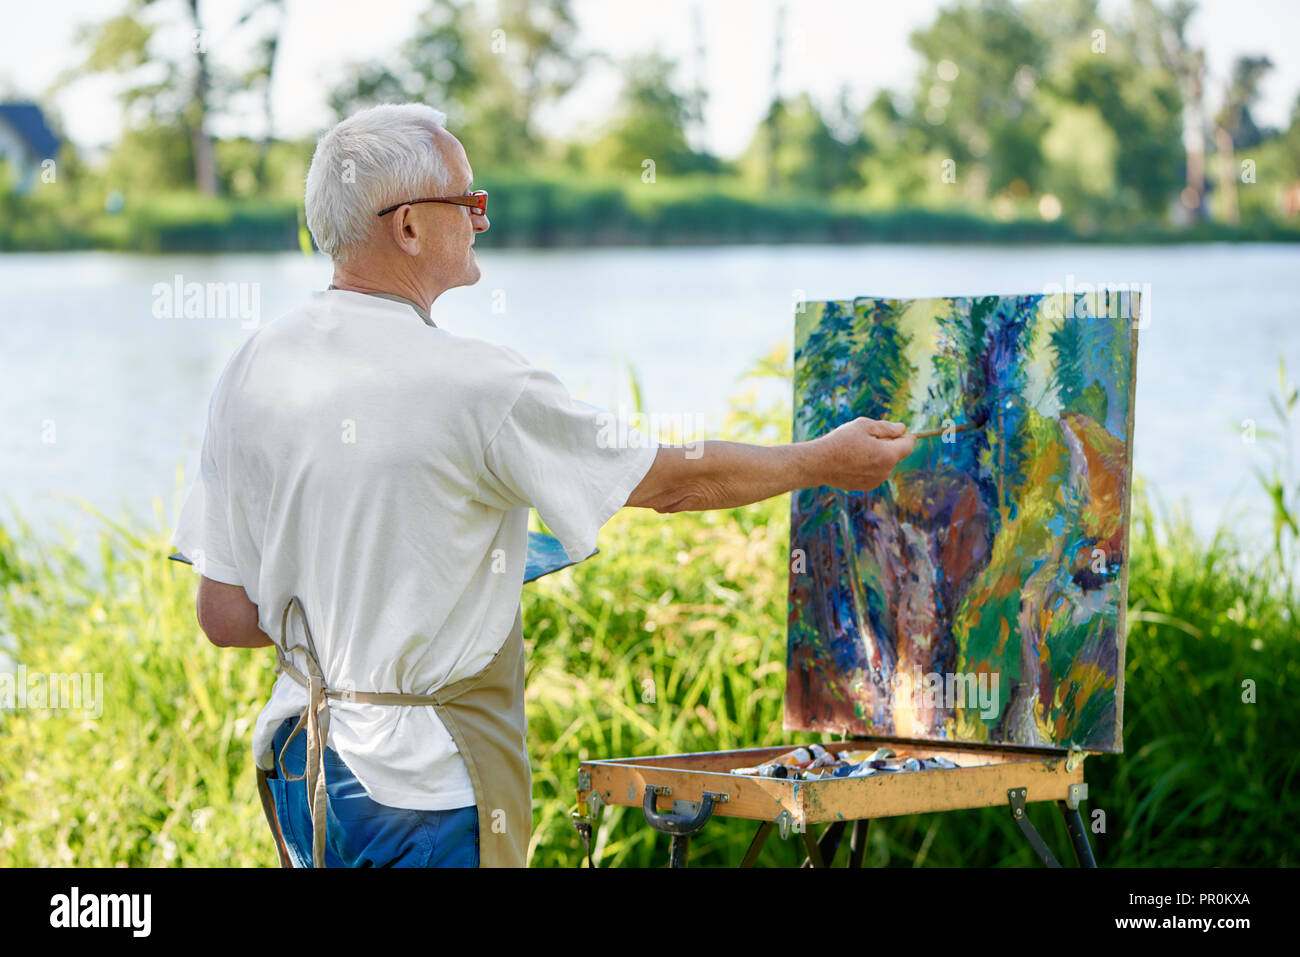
{"type": "Point", "coordinates": [855, 756]}
{"type": "Point", "coordinates": [798, 758]}
{"type": "Point", "coordinates": [814, 763]}
{"type": "Point", "coordinates": [839, 768]}
{"type": "Point", "coordinates": [772, 769]}
{"type": "Point", "coordinates": [823, 758]}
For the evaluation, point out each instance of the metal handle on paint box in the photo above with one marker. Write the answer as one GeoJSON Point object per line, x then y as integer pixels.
{"type": "Point", "coordinates": [669, 823]}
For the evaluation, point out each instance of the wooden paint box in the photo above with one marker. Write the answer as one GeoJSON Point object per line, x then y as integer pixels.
{"type": "Point", "coordinates": [673, 791]}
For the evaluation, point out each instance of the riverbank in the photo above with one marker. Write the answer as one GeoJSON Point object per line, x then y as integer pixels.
{"type": "Point", "coordinates": [532, 211]}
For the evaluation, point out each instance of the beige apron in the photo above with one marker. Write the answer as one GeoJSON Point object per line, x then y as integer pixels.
{"type": "Point", "coordinates": [484, 714]}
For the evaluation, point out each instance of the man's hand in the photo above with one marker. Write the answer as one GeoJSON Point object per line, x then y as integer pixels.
{"type": "Point", "coordinates": [861, 454]}
{"type": "Point", "coordinates": [857, 456]}
{"type": "Point", "coordinates": [227, 617]}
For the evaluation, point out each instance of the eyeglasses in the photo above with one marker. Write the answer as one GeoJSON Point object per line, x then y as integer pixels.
{"type": "Point", "coordinates": [476, 200]}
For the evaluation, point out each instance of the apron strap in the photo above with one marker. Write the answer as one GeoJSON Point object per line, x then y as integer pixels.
{"type": "Point", "coordinates": [315, 720]}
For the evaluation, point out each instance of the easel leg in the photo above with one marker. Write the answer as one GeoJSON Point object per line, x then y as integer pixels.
{"type": "Point", "coordinates": [678, 850]}
{"type": "Point", "coordinates": [1017, 799]}
{"type": "Point", "coordinates": [756, 845]}
{"type": "Point", "coordinates": [814, 858]}
{"type": "Point", "coordinates": [1078, 834]}
{"type": "Point", "coordinates": [858, 843]}
{"type": "Point", "coordinates": [826, 846]}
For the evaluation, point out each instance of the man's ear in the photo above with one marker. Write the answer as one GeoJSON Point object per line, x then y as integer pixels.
{"type": "Point", "coordinates": [405, 230]}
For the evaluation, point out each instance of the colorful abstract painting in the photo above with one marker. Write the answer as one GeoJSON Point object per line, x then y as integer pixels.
{"type": "Point", "coordinates": [979, 594]}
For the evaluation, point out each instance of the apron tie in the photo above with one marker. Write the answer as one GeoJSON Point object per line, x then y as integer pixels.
{"type": "Point", "coordinates": [484, 713]}
{"type": "Point", "coordinates": [315, 721]}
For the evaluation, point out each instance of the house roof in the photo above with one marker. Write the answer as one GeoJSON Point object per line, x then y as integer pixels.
{"type": "Point", "coordinates": [29, 122]}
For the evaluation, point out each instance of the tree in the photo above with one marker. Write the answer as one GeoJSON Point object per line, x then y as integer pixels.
{"type": "Point", "coordinates": [1081, 152]}
{"type": "Point", "coordinates": [490, 77]}
{"type": "Point", "coordinates": [196, 111]}
{"type": "Point", "coordinates": [271, 14]}
{"type": "Point", "coordinates": [809, 155]}
{"type": "Point", "coordinates": [441, 65]}
{"type": "Point", "coordinates": [1235, 128]}
{"type": "Point", "coordinates": [650, 123]}
{"type": "Point", "coordinates": [890, 143]}
{"type": "Point", "coordinates": [975, 93]}
{"type": "Point", "coordinates": [171, 90]}
{"type": "Point", "coordinates": [537, 45]}
{"type": "Point", "coordinates": [1139, 107]}
{"type": "Point", "coordinates": [1163, 34]}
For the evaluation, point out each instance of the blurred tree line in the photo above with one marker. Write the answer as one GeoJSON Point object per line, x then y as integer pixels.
{"type": "Point", "coordinates": [1043, 111]}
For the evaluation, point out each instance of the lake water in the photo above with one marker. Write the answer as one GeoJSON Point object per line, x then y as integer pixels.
{"type": "Point", "coordinates": [102, 400]}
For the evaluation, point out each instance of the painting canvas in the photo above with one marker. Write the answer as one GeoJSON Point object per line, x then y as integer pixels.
{"type": "Point", "coordinates": [979, 594]}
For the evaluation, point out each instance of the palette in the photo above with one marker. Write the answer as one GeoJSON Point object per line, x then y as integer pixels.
{"type": "Point", "coordinates": [971, 607]}
{"type": "Point", "coordinates": [545, 555]}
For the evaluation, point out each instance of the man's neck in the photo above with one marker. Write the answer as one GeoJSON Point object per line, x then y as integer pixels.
{"type": "Point", "coordinates": [422, 311]}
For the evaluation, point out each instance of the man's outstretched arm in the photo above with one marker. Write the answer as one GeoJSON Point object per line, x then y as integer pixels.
{"type": "Point", "coordinates": [857, 456]}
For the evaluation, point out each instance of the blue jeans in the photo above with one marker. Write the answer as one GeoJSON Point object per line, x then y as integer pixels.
{"type": "Point", "coordinates": [359, 831]}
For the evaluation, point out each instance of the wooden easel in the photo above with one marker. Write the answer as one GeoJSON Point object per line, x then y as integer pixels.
{"type": "Point", "coordinates": [680, 793]}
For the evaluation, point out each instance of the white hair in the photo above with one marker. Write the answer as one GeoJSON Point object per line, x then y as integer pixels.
{"type": "Point", "coordinates": [380, 156]}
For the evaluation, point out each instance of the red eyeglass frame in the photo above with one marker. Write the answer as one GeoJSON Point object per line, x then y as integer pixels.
{"type": "Point", "coordinates": [477, 200]}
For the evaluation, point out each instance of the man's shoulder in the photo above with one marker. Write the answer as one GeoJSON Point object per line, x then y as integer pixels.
{"type": "Point", "coordinates": [485, 373]}
{"type": "Point", "coordinates": [495, 357]}
{"type": "Point", "coordinates": [415, 355]}
{"type": "Point", "coordinates": [471, 353]}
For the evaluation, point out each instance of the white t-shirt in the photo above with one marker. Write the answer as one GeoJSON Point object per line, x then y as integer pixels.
{"type": "Point", "coordinates": [381, 469]}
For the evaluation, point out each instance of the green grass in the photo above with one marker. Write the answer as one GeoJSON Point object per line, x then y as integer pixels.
{"type": "Point", "coordinates": [671, 640]}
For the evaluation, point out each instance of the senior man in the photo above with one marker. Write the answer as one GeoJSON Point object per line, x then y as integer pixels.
{"type": "Point", "coordinates": [363, 494]}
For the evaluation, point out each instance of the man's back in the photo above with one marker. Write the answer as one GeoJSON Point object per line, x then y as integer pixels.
{"type": "Point", "coordinates": [344, 451]}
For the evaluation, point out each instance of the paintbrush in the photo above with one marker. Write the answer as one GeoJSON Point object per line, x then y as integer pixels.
{"type": "Point", "coordinates": [978, 422]}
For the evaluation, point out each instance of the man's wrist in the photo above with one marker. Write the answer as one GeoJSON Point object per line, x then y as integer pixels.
{"type": "Point", "coordinates": [809, 459]}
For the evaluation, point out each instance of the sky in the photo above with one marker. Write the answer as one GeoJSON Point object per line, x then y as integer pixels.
{"type": "Point", "coordinates": [827, 44]}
